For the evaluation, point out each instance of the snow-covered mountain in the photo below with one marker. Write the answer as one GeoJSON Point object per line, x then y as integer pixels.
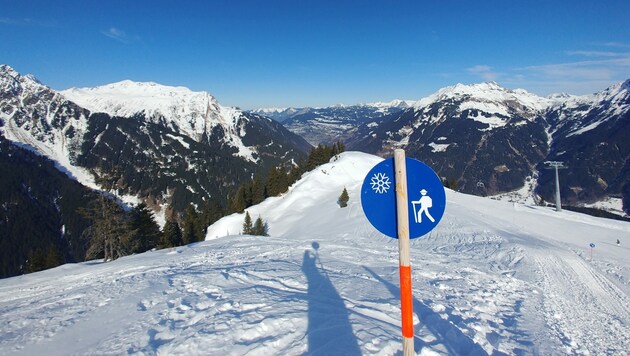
{"type": "Point", "coordinates": [487, 139]}
{"type": "Point", "coordinates": [492, 278]}
{"type": "Point", "coordinates": [591, 135]}
{"type": "Point", "coordinates": [484, 137]}
{"type": "Point", "coordinates": [573, 115]}
{"type": "Point", "coordinates": [163, 145]}
{"type": "Point", "coordinates": [328, 125]}
{"type": "Point", "coordinates": [490, 98]}
{"type": "Point", "coordinates": [197, 115]}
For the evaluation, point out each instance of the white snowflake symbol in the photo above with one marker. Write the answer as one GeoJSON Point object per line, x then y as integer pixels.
{"type": "Point", "coordinates": [380, 183]}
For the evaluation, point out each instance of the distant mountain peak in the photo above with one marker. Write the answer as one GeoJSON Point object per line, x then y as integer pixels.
{"type": "Point", "coordinates": [7, 73]}
{"type": "Point", "coordinates": [619, 88]}
{"type": "Point", "coordinates": [489, 90]}
{"type": "Point", "coordinates": [481, 94]}
{"type": "Point", "coordinates": [6, 69]}
{"type": "Point", "coordinates": [128, 92]}
{"type": "Point", "coordinates": [559, 96]}
{"type": "Point", "coordinates": [33, 78]}
{"type": "Point", "coordinates": [396, 103]}
{"type": "Point", "coordinates": [152, 87]}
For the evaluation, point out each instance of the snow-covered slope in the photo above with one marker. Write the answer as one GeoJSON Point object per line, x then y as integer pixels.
{"type": "Point", "coordinates": [492, 277]}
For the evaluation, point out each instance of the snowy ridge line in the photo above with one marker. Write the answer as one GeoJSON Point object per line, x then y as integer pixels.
{"type": "Point", "coordinates": [485, 95]}
{"type": "Point", "coordinates": [194, 114]}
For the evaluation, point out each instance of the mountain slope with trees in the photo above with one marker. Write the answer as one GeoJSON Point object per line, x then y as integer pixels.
{"type": "Point", "coordinates": [40, 223]}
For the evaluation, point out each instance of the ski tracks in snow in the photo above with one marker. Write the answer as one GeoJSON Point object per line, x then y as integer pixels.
{"type": "Point", "coordinates": [584, 309]}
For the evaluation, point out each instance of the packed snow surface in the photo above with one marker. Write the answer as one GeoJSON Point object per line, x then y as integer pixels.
{"type": "Point", "coordinates": [493, 277]}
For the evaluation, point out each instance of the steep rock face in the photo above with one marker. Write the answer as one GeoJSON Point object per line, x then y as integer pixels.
{"type": "Point", "coordinates": [591, 136]}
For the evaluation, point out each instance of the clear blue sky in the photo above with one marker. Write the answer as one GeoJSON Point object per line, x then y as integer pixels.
{"type": "Point", "coordinates": [319, 52]}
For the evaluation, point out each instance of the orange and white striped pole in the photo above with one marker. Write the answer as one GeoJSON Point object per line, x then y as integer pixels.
{"type": "Point", "coordinates": [402, 218]}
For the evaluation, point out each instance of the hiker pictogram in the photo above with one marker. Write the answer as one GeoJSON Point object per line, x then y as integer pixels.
{"type": "Point", "coordinates": [421, 207]}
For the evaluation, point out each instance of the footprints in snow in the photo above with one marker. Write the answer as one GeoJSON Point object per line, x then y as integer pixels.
{"type": "Point", "coordinates": [189, 305]}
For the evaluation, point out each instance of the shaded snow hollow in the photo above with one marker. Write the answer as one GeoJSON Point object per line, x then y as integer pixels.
{"type": "Point", "coordinates": [492, 277]}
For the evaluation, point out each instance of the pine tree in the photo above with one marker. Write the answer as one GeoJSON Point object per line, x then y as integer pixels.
{"type": "Point", "coordinates": [143, 232]}
{"type": "Point", "coordinates": [247, 225]}
{"type": "Point", "coordinates": [53, 258]}
{"type": "Point", "coordinates": [277, 181]}
{"type": "Point", "coordinates": [272, 186]}
{"type": "Point", "coordinates": [36, 261]}
{"type": "Point", "coordinates": [322, 155]}
{"type": "Point", "coordinates": [294, 175]}
{"type": "Point", "coordinates": [171, 235]}
{"type": "Point", "coordinates": [108, 231]}
{"type": "Point", "coordinates": [318, 156]}
{"type": "Point", "coordinates": [449, 183]}
{"type": "Point", "coordinates": [260, 228]}
{"type": "Point", "coordinates": [338, 148]}
{"type": "Point", "coordinates": [238, 201]}
{"type": "Point", "coordinates": [258, 190]}
{"type": "Point", "coordinates": [191, 226]}
{"type": "Point", "coordinates": [211, 212]}
{"type": "Point", "coordinates": [343, 198]}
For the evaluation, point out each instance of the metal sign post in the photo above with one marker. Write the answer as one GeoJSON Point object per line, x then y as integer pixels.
{"type": "Point", "coordinates": [387, 199]}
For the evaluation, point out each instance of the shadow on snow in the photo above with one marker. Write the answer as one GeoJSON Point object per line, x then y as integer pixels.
{"type": "Point", "coordinates": [329, 330]}
{"type": "Point", "coordinates": [446, 334]}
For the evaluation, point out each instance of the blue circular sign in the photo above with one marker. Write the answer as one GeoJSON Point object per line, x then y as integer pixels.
{"type": "Point", "coordinates": [425, 193]}
{"type": "Point", "coordinates": [592, 245]}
